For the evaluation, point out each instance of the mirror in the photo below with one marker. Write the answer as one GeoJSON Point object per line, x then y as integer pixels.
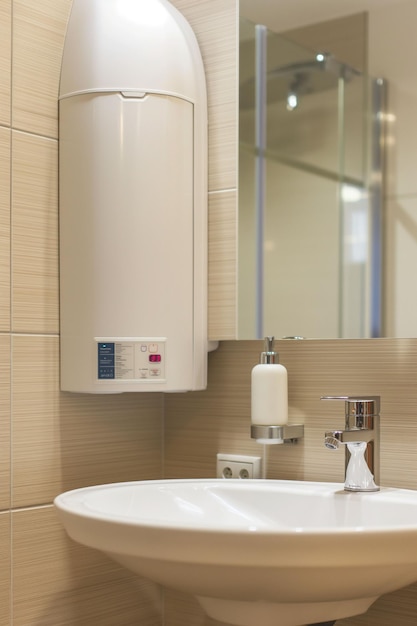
{"type": "Point", "coordinates": [321, 186]}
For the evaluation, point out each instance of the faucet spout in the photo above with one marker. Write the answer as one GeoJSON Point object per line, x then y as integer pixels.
{"type": "Point", "coordinates": [349, 436]}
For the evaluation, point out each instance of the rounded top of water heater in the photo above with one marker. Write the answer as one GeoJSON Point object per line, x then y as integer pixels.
{"type": "Point", "coordinates": [130, 45]}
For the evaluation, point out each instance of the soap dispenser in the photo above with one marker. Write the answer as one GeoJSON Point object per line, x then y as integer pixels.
{"type": "Point", "coordinates": [269, 393]}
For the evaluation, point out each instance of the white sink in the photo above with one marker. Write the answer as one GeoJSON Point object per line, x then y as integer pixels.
{"type": "Point", "coordinates": [270, 552]}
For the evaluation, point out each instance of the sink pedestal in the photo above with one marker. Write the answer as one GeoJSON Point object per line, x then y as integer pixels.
{"type": "Point", "coordinates": [241, 613]}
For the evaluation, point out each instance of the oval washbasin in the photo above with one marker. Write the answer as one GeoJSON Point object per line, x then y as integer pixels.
{"type": "Point", "coordinates": [254, 551]}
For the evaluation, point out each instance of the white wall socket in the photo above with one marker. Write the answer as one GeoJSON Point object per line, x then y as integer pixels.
{"type": "Point", "coordinates": [238, 466]}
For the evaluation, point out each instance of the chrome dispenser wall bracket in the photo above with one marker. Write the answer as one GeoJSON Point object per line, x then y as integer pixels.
{"type": "Point", "coordinates": [289, 433]}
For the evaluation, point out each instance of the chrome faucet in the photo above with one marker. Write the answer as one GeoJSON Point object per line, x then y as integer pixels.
{"type": "Point", "coordinates": [361, 437]}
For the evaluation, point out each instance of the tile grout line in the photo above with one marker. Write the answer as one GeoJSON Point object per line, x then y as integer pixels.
{"type": "Point", "coordinates": [212, 192]}
{"type": "Point", "coordinates": [29, 133]}
{"type": "Point", "coordinates": [44, 335]}
{"type": "Point", "coordinates": [32, 507]}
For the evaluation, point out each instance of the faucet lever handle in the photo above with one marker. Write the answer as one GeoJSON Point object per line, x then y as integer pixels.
{"type": "Point", "coordinates": [359, 410]}
{"type": "Point", "coordinates": [359, 405]}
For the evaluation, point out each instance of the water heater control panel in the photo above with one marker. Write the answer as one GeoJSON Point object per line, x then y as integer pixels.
{"type": "Point", "coordinates": [131, 359]}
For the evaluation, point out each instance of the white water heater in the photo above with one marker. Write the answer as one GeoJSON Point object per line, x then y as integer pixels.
{"type": "Point", "coordinates": [133, 200]}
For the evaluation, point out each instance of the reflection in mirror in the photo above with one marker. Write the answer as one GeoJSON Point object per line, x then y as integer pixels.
{"type": "Point", "coordinates": [310, 129]}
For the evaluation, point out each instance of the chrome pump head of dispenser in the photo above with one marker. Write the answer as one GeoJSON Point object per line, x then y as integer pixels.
{"type": "Point", "coordinates": [269, 356]}
{"type": "Point", "coordinates": [274, 434]}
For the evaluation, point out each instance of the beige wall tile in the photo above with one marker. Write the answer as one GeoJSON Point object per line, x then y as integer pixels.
{"type": "Point", "coordinates": [215, 23]}
{"type": "Point", "coordinates": [58, 582]}
{"type": "Point", "coordinates": [4, 422]}
{"type": "Point", "coordinates": [4, 228]}
{"type": "Point", "coordinates": [63, 441]}
{"type": "Point", "coordinates": [35, 234]}
{"type": "Point", "coordinates": [222, 262]}
{"type": "Point", "coordinates": [5, 60]}
{"type": "Point", "coordinates": [38, 37]}
{"type": "Point", "coordinates": [5, 581]}
{"type": "Point", "coordinates": [211, 421]}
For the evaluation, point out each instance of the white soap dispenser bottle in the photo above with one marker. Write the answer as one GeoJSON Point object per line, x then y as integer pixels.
{"type": "Point", "coordinates": [269, 393]}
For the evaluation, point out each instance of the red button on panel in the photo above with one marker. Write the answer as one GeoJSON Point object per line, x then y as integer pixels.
{"type": "Point", "coordinates": [155, 358]}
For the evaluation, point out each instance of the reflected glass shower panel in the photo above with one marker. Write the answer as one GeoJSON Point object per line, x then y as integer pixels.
{"type": "Point", "coordinates": [301, 273]}
{"type": "Point", "coordinates": [318, 209]}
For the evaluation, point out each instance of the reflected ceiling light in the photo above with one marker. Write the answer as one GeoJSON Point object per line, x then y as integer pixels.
{"type": "Point", "coordinates": [386, 117]}
{"type": "Point", "coordinates": [350, 193]}
{"type": "Point", "coordinates": [292, 101]}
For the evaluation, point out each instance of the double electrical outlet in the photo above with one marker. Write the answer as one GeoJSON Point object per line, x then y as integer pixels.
{"type": "Point", "coordinates": [238, 466]}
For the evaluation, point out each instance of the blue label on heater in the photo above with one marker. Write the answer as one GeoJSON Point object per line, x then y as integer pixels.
{"type": "Point", "coordinates": [105, 353]}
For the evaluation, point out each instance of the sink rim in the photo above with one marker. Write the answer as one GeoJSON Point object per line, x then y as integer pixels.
{"type": "Point", "coordinates": [73, 502]}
